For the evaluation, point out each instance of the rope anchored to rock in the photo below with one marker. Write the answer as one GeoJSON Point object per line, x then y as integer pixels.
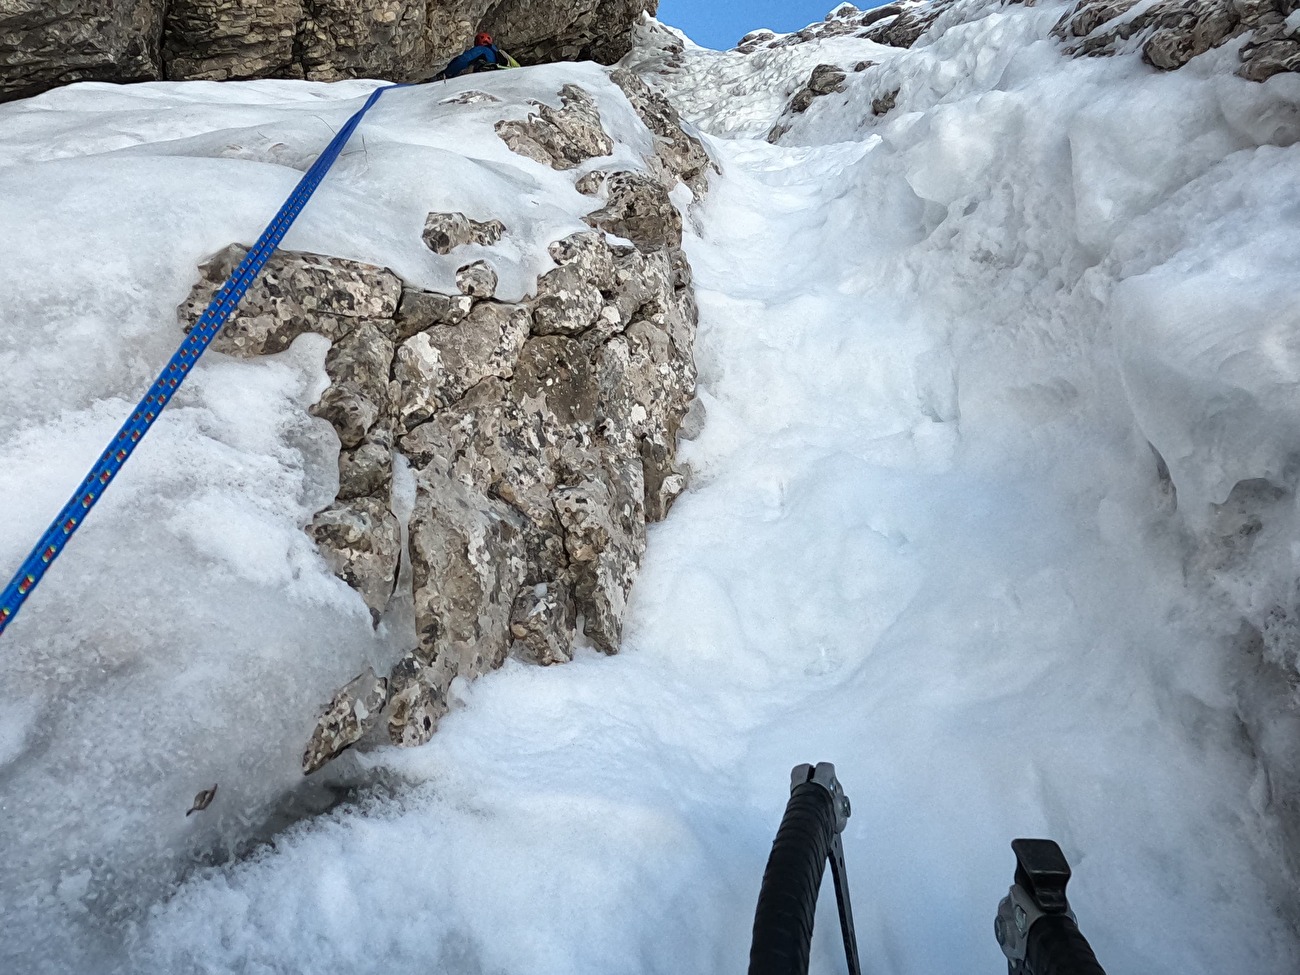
{"type": "Point", "coordinates": [220, 309]}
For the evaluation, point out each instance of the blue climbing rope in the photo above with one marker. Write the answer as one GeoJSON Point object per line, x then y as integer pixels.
{"type": "Point", "coordinates": [160, 393]}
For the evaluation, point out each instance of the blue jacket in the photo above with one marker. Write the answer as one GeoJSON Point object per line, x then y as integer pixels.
{"type": "Point", "coordinates": [490, 55]}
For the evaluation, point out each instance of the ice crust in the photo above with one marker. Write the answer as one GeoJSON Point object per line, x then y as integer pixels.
{"type": "Point", "coordinates": [927, 538]}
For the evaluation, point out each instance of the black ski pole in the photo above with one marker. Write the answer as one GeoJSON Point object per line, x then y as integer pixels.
{"type": "Point", "coordinates": [808, 837]}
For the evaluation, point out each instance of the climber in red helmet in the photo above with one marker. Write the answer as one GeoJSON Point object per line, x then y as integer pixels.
{"type": "Point", "coordinates": [483, 56]}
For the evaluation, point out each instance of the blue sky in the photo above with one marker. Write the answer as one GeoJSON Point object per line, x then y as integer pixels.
{"type": "Point", "coordinates": [721, 23]}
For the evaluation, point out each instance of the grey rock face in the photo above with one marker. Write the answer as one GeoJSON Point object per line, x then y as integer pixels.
{"type": "Point", "coordinates": [353, 711]}
{"type": "Point", "coordinates": [486, 344]}
{"type": "Point", "coordinates": [359, 365]}
{"type": "Point", "coordinates": [542, 624]}
{"type": "Point", "coordinates": [592, 30]}
{"type": "Point", "coordinates": [368, 39]}
{"type": "Point", "coordinates": [568, 302]}
{"type": "Point", "coordinates": [542, 435]}
{"type": "Point", "coordinates": [361, 540]}
{"type": "Point", "coordinates": [219, 39]}
{"type": "Point", "coordinates": [1172, 32]}
{"type": "Point", "coordinates": [604, 534]}
{"type": "Point", "coordinates": [639, 209]}
{"type": "Point", "coordinates": [905, 29]}
{"type": "Point", "coordinates": [421, 310]}
{"type": "Point", "coordinates": [561, 138]}
{"type": "Point", "coordinates": [45, 43]}
{"type": "Point", "coordinates": [469, 559]}
{"type": "Point", "coordinates": [367, 469]}
{"type": "Point", "coordinates": [826, 79]}
{"type": "Point", "coordinates": [295, 293]}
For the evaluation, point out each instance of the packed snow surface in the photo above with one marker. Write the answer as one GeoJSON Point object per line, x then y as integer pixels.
{"type": "Point", "coordinates": [928, 538]}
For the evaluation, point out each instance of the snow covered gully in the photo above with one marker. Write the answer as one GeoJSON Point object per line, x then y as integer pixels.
{"type": "Point", "coordinates": [992, 505]}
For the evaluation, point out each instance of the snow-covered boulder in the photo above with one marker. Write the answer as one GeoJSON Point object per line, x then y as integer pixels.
{"type": "Point", "coordinates": [509, 413]}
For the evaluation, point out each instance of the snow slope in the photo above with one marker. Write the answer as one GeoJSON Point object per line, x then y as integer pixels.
{"type": "Point", "coordinates": [927, 540]}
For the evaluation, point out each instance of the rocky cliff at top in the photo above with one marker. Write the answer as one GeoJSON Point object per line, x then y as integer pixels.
{"type": "Point", "coordinates": [54, 42]}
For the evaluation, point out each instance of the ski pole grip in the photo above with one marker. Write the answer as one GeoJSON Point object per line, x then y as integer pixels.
{"type": "Point", "coordinates": [787, 901]}
{"type": "Point", "coordinates": [1055, 946]}
{"type": "Point", "coordinates": [1035, 926]}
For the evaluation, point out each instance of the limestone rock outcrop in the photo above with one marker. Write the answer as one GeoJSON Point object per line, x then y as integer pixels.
{"type": "Point", "coordinates": [678, 155]}
{"type": "Point", "coordinates": [541, 433]}
{"type": "Point", "coordinates": [1172, 32]}
{"type": "Point", "coordinates": [53, 42]}
{"type": "Point", "coordinates": [561, 138]}
{"type": "Point", "coordinates": [540, 31]}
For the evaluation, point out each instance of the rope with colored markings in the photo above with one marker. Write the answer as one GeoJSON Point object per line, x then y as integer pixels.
{"type": "Point", "coordinates": [225, 302]}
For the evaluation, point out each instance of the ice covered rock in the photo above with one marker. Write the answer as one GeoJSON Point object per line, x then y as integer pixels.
{"type": "Point", "coordinates": [902, 30]}
{"type": "Point", "coordinates": [561, 138]}
{"type": "Point", "coordinates": [353, 711]}
{"type": "Point", "coordinates": [884, 104]}
{"type": "Point", "coordinates": [444, 232]}
{"type": "Point", "coordinates": [477, 280]}
{"type": "Point", "coordinates": [361, 539]}
{"type": "Point", "coordinates": [825, 79]}
{"type": "Point", "coordinates": [893, 24]}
